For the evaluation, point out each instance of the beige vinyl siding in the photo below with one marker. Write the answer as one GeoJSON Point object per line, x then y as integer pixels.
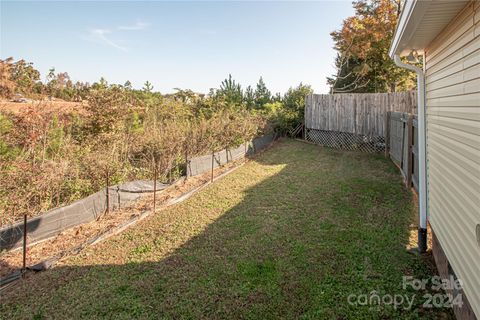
{"type": "Point", "coordinates": [453, 144]}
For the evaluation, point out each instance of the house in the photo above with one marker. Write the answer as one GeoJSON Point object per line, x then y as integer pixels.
{"type": "Point", "coordinates": [447, 35]}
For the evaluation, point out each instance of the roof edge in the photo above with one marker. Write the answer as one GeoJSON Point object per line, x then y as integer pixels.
{"type": "Point", "coordinates": [410, 18]}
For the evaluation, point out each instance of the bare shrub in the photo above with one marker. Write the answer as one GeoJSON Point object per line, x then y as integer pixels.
{"type": "Point", "coordinates": [48, 161]}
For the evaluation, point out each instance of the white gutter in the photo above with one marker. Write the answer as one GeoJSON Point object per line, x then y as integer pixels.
{"type": "Point", "coordinates": [405, 15]}
{"type": "Point", "coordinates": [410, 19]}
{"type": "Point", "coordinates": [422, 170]}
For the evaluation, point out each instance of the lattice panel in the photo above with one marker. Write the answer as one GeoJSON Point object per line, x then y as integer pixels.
{"type": "Point", "coordinates": [347, 141]}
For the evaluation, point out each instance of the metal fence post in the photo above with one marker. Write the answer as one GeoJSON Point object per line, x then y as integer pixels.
{"type": "Point", "coordinates": [24, 266]}
{"type": "Point", "coordinates": [170, 174]}
{"type": "Point", "coordinates": [186, 162]}
{"type": "Point", "coordinates": [155, 186]}
{"type": "Point", "coordinates": [107, 191]}
{"type": "Point", "coordinates": [213, 159]}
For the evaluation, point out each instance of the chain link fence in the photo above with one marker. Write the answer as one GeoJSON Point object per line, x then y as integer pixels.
{"type": "Point", "coordinates": [88, 209]}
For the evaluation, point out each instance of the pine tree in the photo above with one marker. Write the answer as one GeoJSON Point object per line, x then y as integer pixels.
{"type": "Point", "coordinates": [249, 98]}
{"type": "Point", "coordinates": [262, 94]}
{"type": "Point", "coordinates": [147, 87]}
{"type": "Point", "coordinates": [128, 85]}
{"type": "Point", "coordinates": [231, 92]}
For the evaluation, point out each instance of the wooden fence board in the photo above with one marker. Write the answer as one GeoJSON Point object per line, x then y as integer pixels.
{"type": "Point", "coordinates": [397, 133]}
{"type": "Point", "coordinates": [360, 113]}
{"type": "Point", "coordinates": [380, 118]}
{"type": "Point", "coordinates": [404, 145]}
{"type": "Point", "coordinates": [415, 153]}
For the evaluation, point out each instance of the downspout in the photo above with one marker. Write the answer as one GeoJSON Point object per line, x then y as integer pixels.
{"type": "Point", "coordinates": [422, 170]}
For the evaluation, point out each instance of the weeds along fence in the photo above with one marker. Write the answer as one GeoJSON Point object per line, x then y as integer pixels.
{"type": "Point", "coordinates": [112, 197]}
{"type": "Point", "coordinates": [353, 121]}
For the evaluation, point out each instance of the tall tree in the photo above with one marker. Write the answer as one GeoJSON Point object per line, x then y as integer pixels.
{"type": "Point", "coordinates": [25, 76]}
{"type": "Point", "coordinates": [262, 94]}
{"type": "Point", "coordinates": [7, 85]}
{"type": "Point", "coordinates": [60, 85]}
{"type": "Point", "coordinates": [294, 99]}
{"type": "Point", "coordinates": [128, 85]}
{"type": "Point", "coordinates": [362, 43]}
{"type": "Point", "coordinates": [231, 91]}
{"type": "Point", "coordinates": [249, 98]}
{"type": "Point", "coordinates": [102, 84]}
{"type": "Point", "coordinates": [147, 87]}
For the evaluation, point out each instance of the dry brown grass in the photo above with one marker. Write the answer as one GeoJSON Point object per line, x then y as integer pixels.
{"type": "Point", "coordinates": [57, 107]}
{"type": "Point", "coordinates": [50, 159]}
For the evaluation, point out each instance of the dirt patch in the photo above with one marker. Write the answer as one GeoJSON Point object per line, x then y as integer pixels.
{"type": "Point", "coordinates": [57, 107]}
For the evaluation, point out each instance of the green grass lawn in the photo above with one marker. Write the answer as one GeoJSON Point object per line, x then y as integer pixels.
{"type": "Point", "coordinates": [292, 234]}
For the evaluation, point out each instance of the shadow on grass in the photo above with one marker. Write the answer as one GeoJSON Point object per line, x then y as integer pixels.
{"type": "Point", "coordinates": [326, 225]}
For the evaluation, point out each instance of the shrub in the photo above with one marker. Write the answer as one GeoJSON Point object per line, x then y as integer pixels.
{"type": "Point", "coordinates": [48, 161]}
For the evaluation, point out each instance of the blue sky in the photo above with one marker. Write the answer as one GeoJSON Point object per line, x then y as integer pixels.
{"type": "Point", "coordinates": [191, 45]}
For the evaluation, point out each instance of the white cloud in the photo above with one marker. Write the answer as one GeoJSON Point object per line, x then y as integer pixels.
{"type": "Point", "coordinates": [101, 36]}
{"type": "Point", "coordinates": [137, 26]}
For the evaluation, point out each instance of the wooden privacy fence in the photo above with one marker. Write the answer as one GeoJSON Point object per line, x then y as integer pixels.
{"type": "Point", "coordinates": [353, 121]}
{"type": "Point", "coordinates": [402, 145]}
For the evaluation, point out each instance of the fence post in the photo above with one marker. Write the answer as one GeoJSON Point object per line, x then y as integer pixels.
{"type": "Point", "coordinates": [170, 173]}
{"type": "Point", "coordinates": [409, 150]}
{"type": "Point", "coordinates": [107, 192]}
{"type": "Point", "coordinates": [155, 186]}
{"type": "Point", "coordinates": [186, 162]}
{"type": "Point", "coordinates": [24, 266]}
{"type": "Point", "coordinates": [387, 133]}
{"type": "Point", "coordinates": [213, 159]}
{"type": "Point", "coordinates": [403, 122]}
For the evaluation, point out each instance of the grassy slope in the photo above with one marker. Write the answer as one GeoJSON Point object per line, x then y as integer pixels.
{"type": "Point", "coordinates": [291, 234]}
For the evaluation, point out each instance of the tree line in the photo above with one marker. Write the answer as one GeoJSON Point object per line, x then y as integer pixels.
{"type": "Point", "coordinates": [285, 111]}
{"type": "Point", "coordinates": [49, 159]}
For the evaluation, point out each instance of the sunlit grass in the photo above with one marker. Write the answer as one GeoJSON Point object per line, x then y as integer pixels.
{"type": "Point", "coordinates": [289, 235]}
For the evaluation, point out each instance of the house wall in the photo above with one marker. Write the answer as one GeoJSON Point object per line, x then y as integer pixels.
{"type": "Point", "coordinates": [453, 145]}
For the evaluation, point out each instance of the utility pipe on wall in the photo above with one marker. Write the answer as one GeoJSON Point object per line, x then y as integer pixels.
{"type": "Point", "coordinates": [422, 167]}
